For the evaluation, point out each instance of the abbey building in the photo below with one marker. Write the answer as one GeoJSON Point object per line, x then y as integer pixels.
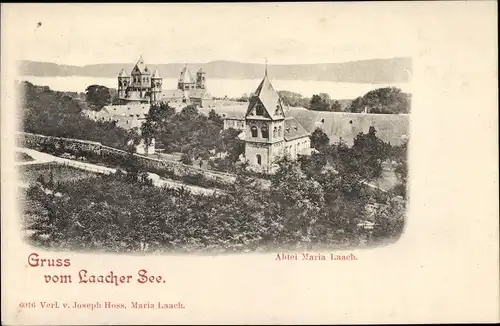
{"type": "Point", "coordinates": [144, 86]}
{"type": "Point", "coordinates": [269, 133]}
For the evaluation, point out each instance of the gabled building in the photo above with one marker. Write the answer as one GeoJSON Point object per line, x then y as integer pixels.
{"type": "Point", "coordinates": [126, 116]}
{"type": "Point", "coordinates": [142, 86]}
{"type": "Point", "coordinates": [269, 133]}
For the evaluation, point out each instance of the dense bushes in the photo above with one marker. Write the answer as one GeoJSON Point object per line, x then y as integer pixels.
{"type": "Point", "coordinates": [298, 211]}
{"type": "Point", "coordinates": [53, 113]}
{"type": "Point", "coordinates": [188, 131]}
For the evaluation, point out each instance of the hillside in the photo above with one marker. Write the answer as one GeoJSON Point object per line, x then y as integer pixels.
{"type": "Point", "coordinates": [393, 70]}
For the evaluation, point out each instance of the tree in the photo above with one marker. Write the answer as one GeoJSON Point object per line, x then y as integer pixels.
{"type": "Point", "coordinates": [400, 155]}
{"type": "Point", "coordinates": [229, 143]}
{"type": "Point", "coordinates": [319, 140]}
{"type": "Point", "coordinates": [294, 99]}
{"type": "Point", "coordinates": [187, 131]}
{"type": "Point", "coordinates": [336, 107]}
{"type": "Point", "coordinates": [313, 165]}
{"type": "Point", "coordinates": [52, 113]}
{"type": "Point", "coordinates": [298, 203]}
{"type": "Point", "coordinates": [213, 116]}
{"type": "Point", "coordinates": [388, 100]}
{"type": "Point", "coordinates": [243, 98]}
{"type": "Point", "coordinates": [97, 96]}
{"type": "Point", "coordinates": [132, 167]}
{"type": "Point", "coordinates": [369, 153]}
{"type": "Point", "coordinates": [320, 102]}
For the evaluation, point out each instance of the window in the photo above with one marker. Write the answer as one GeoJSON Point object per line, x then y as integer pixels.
{"type": "Point", "coordinates": [265, 132]}
{"type": "Point", "coordinates": [277, 112]}
{"type": "Point", "coordinates": [275, 132]}
{"type": "Point", "coordinates": [259, 110]}
{"type": "Point", "coordinates": [254, 131]}
{"type": "Point", "coordinates": [279, 131]}
{"type": "Point", "coordinates": [259, 159]}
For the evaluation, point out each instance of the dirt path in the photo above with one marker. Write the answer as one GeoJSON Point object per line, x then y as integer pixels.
{"type": "Point", "coordinates": [40, 157]}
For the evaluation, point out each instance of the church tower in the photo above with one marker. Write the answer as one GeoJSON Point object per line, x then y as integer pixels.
{"type": "Point", "coordinates": [186, 81]}
{"type": "Point", "coordinates": [123, 83]}
{"type": "Point", "coordinates": [200, 79]}
{"type": "Point", "coordinates": [156, 86]}
{"type": "Point", "coordinates": [141, 78]}
{"type": "Point", "coordinates": [264, 127]}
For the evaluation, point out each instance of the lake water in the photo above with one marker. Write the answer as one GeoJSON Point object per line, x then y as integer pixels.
{"type": "Point", "coordinates": [222, 87]}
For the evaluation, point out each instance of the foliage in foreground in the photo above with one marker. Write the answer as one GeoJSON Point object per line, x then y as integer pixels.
{"type": "Point", "coordinates": [298, 211]}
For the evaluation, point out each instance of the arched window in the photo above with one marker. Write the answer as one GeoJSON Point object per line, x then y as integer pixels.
{"type": "Point", "coordinates": [259, 159]}
{"type": "Point", "coordinates": [279, 131]}
{"type": "Point", "coordinates": [265, 132]}
{"type": "Point", "coordinates": [275, 132]}
{"type": "Point", "coordinates": [254, 131]}
{"type": "Point", "coordinates": [259, 110]}
{"type": "Point", "coordinates": [277, 112]}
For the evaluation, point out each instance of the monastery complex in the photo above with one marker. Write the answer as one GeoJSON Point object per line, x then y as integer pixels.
{"type": "Point", "coordinates": [268, 128]}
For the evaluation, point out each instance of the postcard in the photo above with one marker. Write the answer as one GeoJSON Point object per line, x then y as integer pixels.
{"type": "Point", "coordinates": [249, 163]}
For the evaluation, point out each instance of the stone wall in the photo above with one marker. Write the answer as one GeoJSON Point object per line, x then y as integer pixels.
{"type": "Point", "coordinates": [83, 147]}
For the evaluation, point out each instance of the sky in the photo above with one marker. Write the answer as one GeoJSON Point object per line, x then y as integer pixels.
{"type": "Point", "coordinates": [285, 33]}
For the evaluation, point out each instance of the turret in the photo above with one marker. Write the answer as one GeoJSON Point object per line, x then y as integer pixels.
{"type": "Point", "coordinates": [123, 83]}
{"type": "Point", "coordinates": [200, 79]}
{"type": "Point", "coordinates": [186, 81]}
{"type": "Point", "coordinates": [156, 86]}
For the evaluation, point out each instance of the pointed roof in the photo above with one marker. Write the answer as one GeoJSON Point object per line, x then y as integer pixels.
{"type": "Point", "coordinates": [123, 73]}
{"type": "Point", "coordinates": [186, 77]}
{"type": "Point", "coordinates": [156, 74]}
{"type": "Point", "coordinates": [269, 98]}
{"type": "Point", "coordinates": [141, 66]}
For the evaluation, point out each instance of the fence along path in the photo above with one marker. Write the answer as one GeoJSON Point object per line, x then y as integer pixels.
{"type": "Point", "coordinates": [152, 161]}
{"type": "Point", "coordinates": [99, 148]}
{"type": "Point", "coordinates": [41, 158]}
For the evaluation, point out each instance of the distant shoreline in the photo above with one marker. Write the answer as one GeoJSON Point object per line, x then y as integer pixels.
{"type": "Point", "coordinates": [220, 87]}
{"type": "Point", "coordinates": [375, 71]}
